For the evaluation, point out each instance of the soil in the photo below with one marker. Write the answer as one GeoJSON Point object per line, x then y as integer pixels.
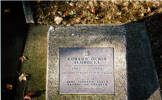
{"type": "Point", "coordinates": [94, 12]}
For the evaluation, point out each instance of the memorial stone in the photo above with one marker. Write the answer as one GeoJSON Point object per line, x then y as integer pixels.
{"type": "Point", "coordinates": [100, 63]}
{"type": "Point", "coordinates": [86, 62]}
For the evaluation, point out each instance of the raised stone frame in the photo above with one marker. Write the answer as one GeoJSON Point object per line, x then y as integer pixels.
{"type": "Point", "coordinates": [87, 37]}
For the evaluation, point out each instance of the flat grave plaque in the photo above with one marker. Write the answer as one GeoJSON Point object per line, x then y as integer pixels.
{"type": "Point", "coordinates": [86, 70]}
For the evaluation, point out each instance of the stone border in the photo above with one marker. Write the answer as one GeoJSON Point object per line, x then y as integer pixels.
{"type": "Point", "coordinates": [28, 12]}
{"type": "Point", "coordinates": [89, 36]}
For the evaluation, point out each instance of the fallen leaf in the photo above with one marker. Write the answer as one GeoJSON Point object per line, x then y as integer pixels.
{"type": "Point", "coordinates": [22, 77]}
{"type": "Point", "coordinates": [93, 10]}
{"type": "Point", "coordinates": [91, 4]}
{"type": "Point", "coordinates": [27, 98]}
{"type": "Point", "coordinates": [72, 13]}
{"type": "Point", "coordinates": [30, 94]}
{"type": "Point", "coordinates": [60, 13]}
{"type": "Point", "coordinates": [71, 4]}
{"type": "Point", "coordinates": [78, 20]}
{"type": "Point", "coordinates": [22, 58]}
{"type": "Point", "coordinates": [148, 10]}
{"type": "Point", "coordinates": [141, 14]}
{"type": "Point", "coordinates": [88, 7]}
{"type": "Point", "coordinates": [125, 4]}
{"type": "Point", "coordinates": [9, 86]}
{"type": "Point", "coordinates": [68, 25]}
{"type": "Point", "coordinates": [58, 20]}
{"type": "Point", "coordinates": [38, 1]}
{"type": "Point", "coordinates": [7, 11]}
{"type": "Point", "coordinates": [118, 13]}
{"type": "Point", "coordinates": [96, 17]}
{"type": "Point", "coordinates": [102, 5]}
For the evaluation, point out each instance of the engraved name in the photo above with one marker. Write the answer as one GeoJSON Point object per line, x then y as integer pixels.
{"type": "Point", "coordinates": [87, 60]}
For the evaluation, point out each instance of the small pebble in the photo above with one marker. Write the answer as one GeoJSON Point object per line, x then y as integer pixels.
{"type": "Point", "coordinates": [72, 34]}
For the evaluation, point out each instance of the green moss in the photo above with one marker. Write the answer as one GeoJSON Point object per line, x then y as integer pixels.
{"type": "Point", "coordinates": [35, 50]}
